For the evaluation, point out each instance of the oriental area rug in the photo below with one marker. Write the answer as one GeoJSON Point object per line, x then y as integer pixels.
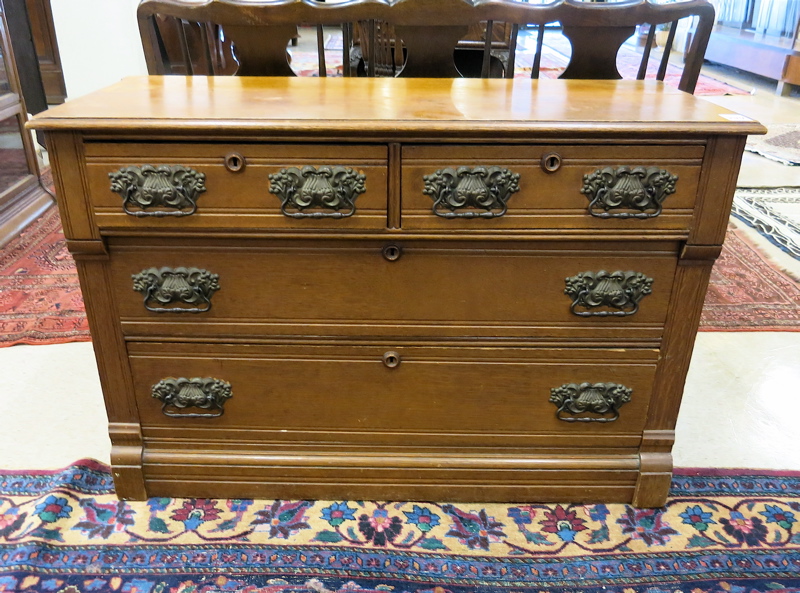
{"type": "Point", "coordinates": [40, 298]}
{"type": "Point", "coordinates": [781, 144]}
{"type": "Point", "coordinates": [774, 213]}
{"type": "Point", "coordinates": [748, 293]}
{"type": "Point", "coordinates": [721, 531]}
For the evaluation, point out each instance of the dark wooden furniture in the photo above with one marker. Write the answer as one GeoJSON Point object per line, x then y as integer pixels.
{"type": "Point", "coordinates": [429, 33]}
{"type": "Point", "coordinates": [22, 198]}
{"type": "Point", "coordinates": [25, 59]}
{"type": "Point", "coordinates": [44, 37]}
{"type": "Point", "coordinates": [393, 288]}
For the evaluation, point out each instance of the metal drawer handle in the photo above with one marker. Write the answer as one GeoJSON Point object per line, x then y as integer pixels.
{"type": "Point", "coordinates": [391, 359]}
{"type": "Point", "coordinates": [618, 291]}
{"type": "Point", "coordinates": [482, 192]}
{"type": "Point", "coordinates": [165, 286]}
{"type": "Point", "coordinates": [332, 189]}
{"type": "Point", "coordinates": [628, 192]}
{"type": "Point", "coordinates": [204, 393]}
{"type": "Point", "coordinates": [158, 186]}
{"type": "Point", "coordinates": [603, 399]}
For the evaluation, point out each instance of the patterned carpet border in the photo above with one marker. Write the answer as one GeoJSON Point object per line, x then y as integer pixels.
{"type": "Point", "coordinates": [721, 530]}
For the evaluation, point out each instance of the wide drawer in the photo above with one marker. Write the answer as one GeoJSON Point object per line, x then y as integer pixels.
{"type": "Point", "coordinates": [619, 188]}
{"type": "Point", "coordinates": [228, 186]}
{"type": "Point", "coordinates": [590, 291]}
{"type": "Point", "coordinates": [302, 393]}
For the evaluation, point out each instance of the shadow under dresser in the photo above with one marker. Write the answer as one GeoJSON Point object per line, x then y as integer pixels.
{"type": "Point", "coordinates": [410, 289]}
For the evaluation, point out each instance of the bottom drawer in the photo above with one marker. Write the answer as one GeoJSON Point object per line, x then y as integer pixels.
{"type": "Point", "coordinates": [391, 394]}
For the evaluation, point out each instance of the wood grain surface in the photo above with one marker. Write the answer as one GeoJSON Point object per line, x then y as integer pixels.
{"type": "Point", "coordinates": [475, 309]}
{"type": "Point", "coordinates": [312, 108]}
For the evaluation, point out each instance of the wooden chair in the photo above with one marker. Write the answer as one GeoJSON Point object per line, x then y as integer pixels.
{"type": "Point", "coordinates": [189, 48]}
{"type": "Point", "coordinates": [596, 32]}
{"type": "Point", "coordinates": [261, 31]}
{"type": "Point", "coordinates": [428, 31]}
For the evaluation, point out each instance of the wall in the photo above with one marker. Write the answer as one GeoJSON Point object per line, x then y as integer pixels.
{"type": "Point", "coordinates": [98, 41]}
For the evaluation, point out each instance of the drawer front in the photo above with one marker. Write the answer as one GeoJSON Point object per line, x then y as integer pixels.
{"type": "Point", "coordinates": [289, 391]}
{"type": "Point", "coordinates": [633, 188]}
{"type": "Point", "coordinates": [415, 288]}
{"type": "Point", "coordinates": [190, 186]}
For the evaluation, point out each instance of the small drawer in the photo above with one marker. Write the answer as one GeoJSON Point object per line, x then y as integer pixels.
{"type": "Point", "coordinates": [241, 186]}
{"type": "Point", "coordinates": [291, 392]}
{"type": "Point", "coordinates": [609, 291]}
{"type": "Point", "coordinates": [607, 187]}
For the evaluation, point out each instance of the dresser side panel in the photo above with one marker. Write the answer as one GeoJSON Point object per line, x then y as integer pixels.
{"type": "Point", "coordinates": [721, 164]}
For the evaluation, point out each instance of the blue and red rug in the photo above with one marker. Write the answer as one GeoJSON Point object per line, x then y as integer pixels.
{"type": "Point", "coordinates": [720, 532]}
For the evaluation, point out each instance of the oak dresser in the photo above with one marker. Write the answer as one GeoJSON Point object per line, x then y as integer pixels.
{"type": "Point", "coordinates": [413, 289]}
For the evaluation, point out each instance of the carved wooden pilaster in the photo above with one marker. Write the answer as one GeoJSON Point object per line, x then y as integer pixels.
{"type": "Point", "coordinates": [92, 261]}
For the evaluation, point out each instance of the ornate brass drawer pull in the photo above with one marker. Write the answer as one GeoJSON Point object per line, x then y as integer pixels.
{"type": "Point", "coordinates": [158, 186]}
{"type": "Point", "coordinates": [204, 393]}
{"type": "Point", "coordinates": [619, 291]}
{"type": "Point", "coordinates": [638, 191]}
{"type": "Point", "coordinates": [165, 286]}
{"type": "Point", "coordinates": [603, 399]}
{"type": "Point", "coordinates": [332, 189]}
{"type": "Point", "coordinates": [486, 190]}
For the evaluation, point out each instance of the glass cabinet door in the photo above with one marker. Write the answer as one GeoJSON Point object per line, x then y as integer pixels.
{"type": "Point", "coordinates": [5, 84]}
{"type": "Point", "coordinates": [14, 165]}
{"type": "Point", "coordinates": [22, 197]}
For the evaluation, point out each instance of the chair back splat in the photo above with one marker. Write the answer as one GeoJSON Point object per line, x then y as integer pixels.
{"type": "Point", "coordinates": [419, 38]}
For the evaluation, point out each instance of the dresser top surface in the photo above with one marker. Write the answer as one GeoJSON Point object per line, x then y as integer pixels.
{"type": "Point", "coordinates": [376, 105]}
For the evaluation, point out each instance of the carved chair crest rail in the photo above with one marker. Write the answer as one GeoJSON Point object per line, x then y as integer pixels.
{"type": "Point", "coordinates": [411, 38]}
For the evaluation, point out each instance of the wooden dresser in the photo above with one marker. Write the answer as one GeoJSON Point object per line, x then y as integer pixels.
{"type": "Point", "coordinates": [413, 289]}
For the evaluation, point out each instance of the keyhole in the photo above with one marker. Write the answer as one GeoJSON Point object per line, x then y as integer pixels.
{"type": "Point", "coordinates": [234, 162]}
{"type": "Point", "coordinates": [551, 162]}
{"type": "Point", "coordinates": [391, 359]}
{"type": "Point", "coordinates": [392, 252]}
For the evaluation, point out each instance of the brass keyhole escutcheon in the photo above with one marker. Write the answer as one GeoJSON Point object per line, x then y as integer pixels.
{"type": "Point", "coordinates": [392, 252]}
{"type": "Point", "coordinates": [235, 162]}
{"type": "Point", "coordinates": [391, 359]}
{"type": "Point", "coordinates": [551, 162]}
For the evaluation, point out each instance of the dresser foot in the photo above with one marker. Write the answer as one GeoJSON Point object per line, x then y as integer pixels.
{"type": "Point", "coordinates": [654, 481]}
{"type": "Point", "coordinates": [126, 461]}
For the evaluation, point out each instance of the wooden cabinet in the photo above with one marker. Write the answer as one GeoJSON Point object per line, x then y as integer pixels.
{"type": "Point", "coordinates": [21, 195]}
{"type": "Point", "coordinates": [43, 29]}
{"type": "Point", "coordinates": [394, 288]}
{"type": "Point", "coordinates": [759, 37]}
